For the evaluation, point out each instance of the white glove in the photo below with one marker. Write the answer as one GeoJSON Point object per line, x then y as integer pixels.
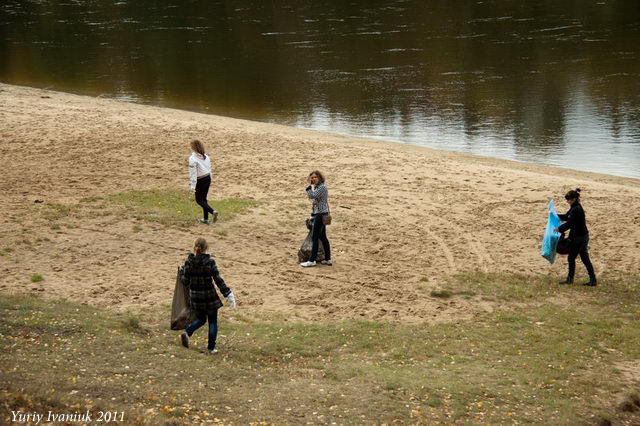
{"type": "Point", "coordinates": [232, 300]}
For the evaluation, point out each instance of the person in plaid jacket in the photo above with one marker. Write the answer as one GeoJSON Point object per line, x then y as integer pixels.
{"type": "Point", "coordinates": [317, 192]}
{"type": "Point", "coordinates": [199, 274]}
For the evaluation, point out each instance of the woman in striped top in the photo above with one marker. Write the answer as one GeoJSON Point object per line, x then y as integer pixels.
{"type": "Point", "coordinates": [317, 191]}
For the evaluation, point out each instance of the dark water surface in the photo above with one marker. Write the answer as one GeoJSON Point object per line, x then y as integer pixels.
{"type": "Point", "coordinates": [548, 81]}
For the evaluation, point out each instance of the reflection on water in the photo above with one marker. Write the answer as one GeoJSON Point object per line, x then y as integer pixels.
{"type": "Point", "coordinates": [549, 82]}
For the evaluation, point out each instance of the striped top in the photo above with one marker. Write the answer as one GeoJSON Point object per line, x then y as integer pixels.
{"type": "Point", "coordinates": [320, 197]}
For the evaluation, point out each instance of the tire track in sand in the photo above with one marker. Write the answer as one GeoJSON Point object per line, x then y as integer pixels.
{"type": "Point", "coordinates": [478, 249]}
{"type": "Point", "coordinates": [451, 262]}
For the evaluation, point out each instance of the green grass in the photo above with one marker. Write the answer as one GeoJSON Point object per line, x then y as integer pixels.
{"type": "Point", "coordinates": [132, 325]}
{"type": "Point", "coordinates": [90, 199]}
{"type": "Point", "coordinates": [520, 288]}
{"type": "Point", "coordinates": [537, 362]}
{"type": "Point", "coordinates": [175, 208]}
{"type": "Point", "coordinates": [167, 207]}
{"type": "Point", "coordinates": [55, 211]}
{"type": "Point", "coordinates": [442, 294]}
{"type": "Point", "coordinates": [36, 277]}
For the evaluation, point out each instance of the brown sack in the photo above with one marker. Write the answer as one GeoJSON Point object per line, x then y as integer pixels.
{"type": "Point", "coordinates": [181, 313]}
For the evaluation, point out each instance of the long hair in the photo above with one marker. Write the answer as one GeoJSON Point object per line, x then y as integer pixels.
{"type": "Point", "coordinates": [319, 174]}
{"type": "Point", "coordinates": [200, 246]}
{"type": "Point", "coordinates": [574, 194]}
{"type": "Point", "coordinates": [198, 147]}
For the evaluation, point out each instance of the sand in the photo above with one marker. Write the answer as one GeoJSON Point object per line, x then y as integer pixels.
{"type": "Point", "coordinates": [405, 217]}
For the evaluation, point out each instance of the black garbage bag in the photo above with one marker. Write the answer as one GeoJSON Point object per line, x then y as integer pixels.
{"type": "Point", "coordinates": [305, 250]}
{"type": "Point", "coordinates": [564, 245]}
{"type": "Point", "coordinates": [181, 313]}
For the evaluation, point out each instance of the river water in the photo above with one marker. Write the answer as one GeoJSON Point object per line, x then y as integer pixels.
{"type": "Point", "coordinates": [547, 81]}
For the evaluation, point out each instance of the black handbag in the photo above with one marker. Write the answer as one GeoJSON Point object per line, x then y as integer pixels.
{"type": "Point", "coordinates": [564, 245]}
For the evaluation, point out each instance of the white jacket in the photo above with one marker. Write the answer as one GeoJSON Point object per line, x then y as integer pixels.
{"type": "Point", "coordinates": [198, 167]}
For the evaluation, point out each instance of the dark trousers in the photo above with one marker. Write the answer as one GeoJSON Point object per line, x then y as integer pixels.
{"type": "Point", "coordinates": [202, 317]}
{"type": "Point", "coordinates": [202, 189]}
{"type": "Point", "coordinates": [319, 233]}
{"type": "Point", "coordinates": [580, 246]}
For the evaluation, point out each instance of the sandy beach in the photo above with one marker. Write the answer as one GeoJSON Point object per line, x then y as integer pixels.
{"type": "Point", "coordinates": [405, 217]}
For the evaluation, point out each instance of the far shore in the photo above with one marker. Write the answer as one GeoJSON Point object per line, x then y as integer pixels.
{"type": "Point", "coordinates": [406, 218]}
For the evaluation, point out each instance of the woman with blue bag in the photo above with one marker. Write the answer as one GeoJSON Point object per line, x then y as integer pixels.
{"type": "Point", "coordinates": [575, 222]}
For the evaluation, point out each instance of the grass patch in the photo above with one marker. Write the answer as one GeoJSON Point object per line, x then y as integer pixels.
{"type": "Point", "coordinates": [449, 293]}
{"type": "Point", "coordinates": [55, 211]}
{"type": "Point", "coordinates": [7, 250]}
{"type": "Point", "coordinates": [540, 363]}
{"type": "Point", "coordinates": [132, 325]}
{"type": "Point", "coordinates": [612, 292]}
{"type": "Point", "coordinates": [136, 228]}
{"type": "Point", "coordinates": [175, 208]}
{"type": "Point", "coordinates": [439, 293]}
{"type": "Point", "coordinates": [90, 199]}
{"type": "Point", "coordinates": [36, 277]}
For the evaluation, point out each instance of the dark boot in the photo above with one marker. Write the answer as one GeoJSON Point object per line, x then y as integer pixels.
{"type": "Point", "coordinates": [567, 281]}
{"type": "Point", "coordinates": [592, 282]}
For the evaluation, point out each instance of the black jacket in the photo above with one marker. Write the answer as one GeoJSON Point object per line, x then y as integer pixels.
{"type": "Point", "coordinates": [575, 221]}
{"type": "Point", "coordinates": [198, 275]}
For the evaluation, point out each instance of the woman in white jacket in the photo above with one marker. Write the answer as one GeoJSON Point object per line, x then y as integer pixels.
{"type": "Point", "coordinates": [200, 179]}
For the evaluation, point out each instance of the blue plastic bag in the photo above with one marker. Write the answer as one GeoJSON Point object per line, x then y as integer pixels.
{"type": "Point", "coordinates": [550, 239]}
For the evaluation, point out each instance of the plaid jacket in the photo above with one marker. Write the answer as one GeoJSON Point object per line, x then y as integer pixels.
{"type": "Point", "coordinates": [199, 273]}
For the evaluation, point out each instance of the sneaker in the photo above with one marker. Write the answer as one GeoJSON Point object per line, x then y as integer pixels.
{"type": "Point", "coordinates": [326, 262]}
{"type": "Point", "coordinates": [211, 351]}
{"type": "Point", "coordinates": [215, 216]}
{"type": "Point", "coordinates": [204, 221]}
{"type": "Point", "coordinates": [307, 264]}
{"type": "Point", "coordinates": [184, 339]}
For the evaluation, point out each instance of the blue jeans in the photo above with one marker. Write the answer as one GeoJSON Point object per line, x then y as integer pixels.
{"type": "Point", "coordinates": [319, 234]}
{"type": "Point", "coordinates": [212, 317]}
